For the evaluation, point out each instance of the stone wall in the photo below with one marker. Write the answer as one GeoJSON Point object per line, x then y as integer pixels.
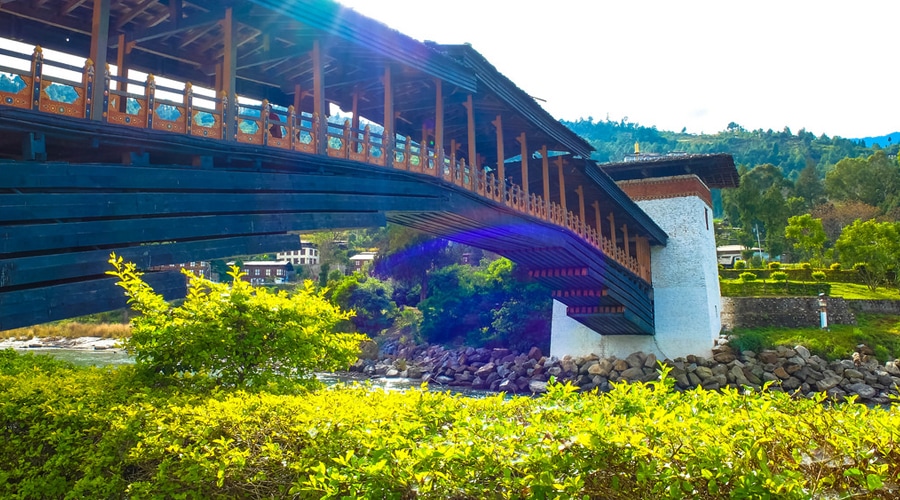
{"type": "Point", "coordinates": [875, 306]}
{"type": "Point", "coordinates": [784, 369]}
{"type": "Point", "coordinates": [791, 312]}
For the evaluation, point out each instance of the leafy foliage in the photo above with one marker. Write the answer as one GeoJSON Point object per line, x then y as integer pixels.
{"type": "Point", "coordinates": [107, 434]}
{"type": "Point", "coordinates": [491, 305]}
{"type": "Point", "coordinates": [807, 236]}
{"type": "Point", "coordinates": [237, 334]}
{"type": "Point", "coordinates": [874, 247]}
{"type": "Point", "coordinates": [369, 299]}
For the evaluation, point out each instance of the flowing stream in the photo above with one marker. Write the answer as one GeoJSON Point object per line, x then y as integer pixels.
{"type": "Point", "coordinates": [112, 357]}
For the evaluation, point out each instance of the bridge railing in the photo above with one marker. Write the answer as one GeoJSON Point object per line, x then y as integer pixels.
{"type": "Point", "coordinates": [64, 92]}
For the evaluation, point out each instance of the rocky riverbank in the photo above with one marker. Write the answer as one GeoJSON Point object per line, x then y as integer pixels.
{"type": "Point", "coordinates": [91, 343]}
{"type": "Point", "coordinates": [791, 370]}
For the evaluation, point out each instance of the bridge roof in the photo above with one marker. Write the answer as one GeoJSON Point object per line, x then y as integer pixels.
{"type": "Point", "coordinates": [491, 80]}
{"type": "Point", "coordinates": [715, 170]}
{"type": "Point", "coordinates": [274, 40]}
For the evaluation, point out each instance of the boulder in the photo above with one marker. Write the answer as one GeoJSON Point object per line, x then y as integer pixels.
{"type": "Point", "coordinates": [632, 374]}
{"type": "Point", "coordinates": [537, 386]}
{"type": "Point", "coordinates": [864, 391]}
{"type": "Point", "coordinates": [635, 360]}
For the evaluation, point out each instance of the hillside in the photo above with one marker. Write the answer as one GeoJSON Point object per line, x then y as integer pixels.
{"type": "Point", "coordinates": [790, 151]}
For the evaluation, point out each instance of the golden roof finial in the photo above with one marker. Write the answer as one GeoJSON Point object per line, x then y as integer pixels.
{"type": "Point", "coordinates": [637, 148]}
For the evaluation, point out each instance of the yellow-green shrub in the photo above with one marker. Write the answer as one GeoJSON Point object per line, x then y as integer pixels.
{"type": "Point", "coordinates": [239, 334]}
{"type": "Point", "coordinates": [89, 433]}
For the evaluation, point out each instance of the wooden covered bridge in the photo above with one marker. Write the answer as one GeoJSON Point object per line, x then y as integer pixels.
{"type": "Point", "coordinates": [196, 129]}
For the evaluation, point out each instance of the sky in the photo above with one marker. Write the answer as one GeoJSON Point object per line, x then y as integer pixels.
{"type": "Point", "coordinates": [827, 66]}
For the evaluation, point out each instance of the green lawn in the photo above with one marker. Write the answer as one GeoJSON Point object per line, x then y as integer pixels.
{"type": "Point", "coordinates": [881, 332]}
{"type": "Point", "coordinates": [857, 291]}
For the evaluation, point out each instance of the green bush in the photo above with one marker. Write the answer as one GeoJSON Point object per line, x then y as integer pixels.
{"type": "Point", "coordinates": [774, 265]}
{"type": "Point", "coordinates": [836, 266]}
{"type": "Point", "coordinates": [740, 264]}
{"type": "Point", "coordinates": [819, 275]}
{"type": "Point", "coordinates": [805, 265]}
{"type": "Point", "coordinates": [103, 434]}
{"type": "Point", "coordinates": [760, 288]}
{"type": "Point", "coordinates": [369, 298]}
{"type": "Point", "coordinates": [237, 334]}
{"type": "Point", "coordinates": [748, 276]}
{"type": "Point", "coordinates": [779, 276]}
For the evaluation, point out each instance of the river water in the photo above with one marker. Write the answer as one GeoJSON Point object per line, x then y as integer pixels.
{"type": "Point", "coordinates": [112, 357]}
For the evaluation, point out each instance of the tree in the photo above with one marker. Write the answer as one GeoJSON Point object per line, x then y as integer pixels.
{"type": "Point", "coordinates": [809, 186]}
{"type": "Point", "coordinates": [410, 255]}
{"type": "Point", "coordinates": [836, 216]}
{"type": "Point", "coordinates": [874, 245]}
{"type": "Point", "coordinates": [759, 202]}
{"type": "Point", "coordinates": [237, 334]}
{"type": "Point", "coordinates": [807, 236]}
{"type": "Point", "coordinates": [370, 300]}
{"type": "Point", "coordinates": [874, 181]}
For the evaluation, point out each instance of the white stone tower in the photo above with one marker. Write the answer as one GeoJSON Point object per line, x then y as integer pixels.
{"type": "Point", "coordinates": [675, 192]}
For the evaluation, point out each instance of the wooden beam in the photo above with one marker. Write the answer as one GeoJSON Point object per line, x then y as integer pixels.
{"type": "Point", "coordinates": [121, 69]}
{"type": "Point", "coordinates": [319, 104]}
{"type": "Point", "coordinates": [470, 120]}
{"type": "Point", "coordinates": [389, 117]}
{"type": "Point", "coordinates": [580, 192]}
{"type": "Point", "coordinates": [562, 186]}
{"type": "Point", "coordinates": [612, 229]}
{"type": "Point", "coordinates": [99, 36]}
{"type": "Point", "coordinates": [545, 168]}
{"type": "Point", "coordinates": [627, 243]}
{"type": "Point", "coordinates": [127, 18]}
{"type": "Point", "coordinates": [176, 12]}
{"type": "Point", "coordinates": [439, 123]}
{"type": "Point", "coordinates": [68, 7]}
{"type": "Point", "coordinates": [229, 67]}
{"type": "Point", "coordinates": [524, 154]}
{"type": "Point", "coordinates": [501, 167]}
{"type": "Point", "coordinates": [597, 218]}
{"type": "Point", "coordinates": [206, 21]}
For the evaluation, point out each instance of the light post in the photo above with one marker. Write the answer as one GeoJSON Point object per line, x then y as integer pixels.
{"type": "Point", "coordinates": [823, 311]}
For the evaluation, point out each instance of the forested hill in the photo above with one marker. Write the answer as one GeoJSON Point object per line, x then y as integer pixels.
{"type": "Point", "coordinates": [785, 149]}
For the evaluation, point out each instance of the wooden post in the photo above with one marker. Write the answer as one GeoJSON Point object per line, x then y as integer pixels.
{"type": "Point", "coordinates": [644, 244]}
{"type": "Point", "coordinates": [319, 100]}
{"type": "Point", "coordinates": [439, 124]}
{"type": "Point", "coordinates": [470, 115]}
{"type": "Point", "coordinates": [597, 218]}
{"type": "Point", "coordinates": [562, 187]}
{"type": "Point", "coordinates": [501, 168]}
{"type": "Point", "coordinates": [387, 141]}
{"type": "Point", "coordinates": [298, 99]}
{"type": "Point", "coordinates": [627, 243]}
{"type": "Point", "coordinates": [545, 168]}
{"type": "Point", "coordinates": [612, 230]}
{"type": "Point", "coordinates": [99, 40]}
{"type": "Point", "coordinates": [580, 192]}
{"type": "Point", "coordinates": [229, 68]}
{"type": "Point", "coordinates": [524, 155]}
{"type": "Point", "coordinates": [122, 72]}
{"type": "Point", "coordinates": [355, 124]}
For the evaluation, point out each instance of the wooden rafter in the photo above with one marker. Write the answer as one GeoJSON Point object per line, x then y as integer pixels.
{"type": "Point", "coordinates": [136, 11]}
{"type": "Point", "coordinates": [69, 6]}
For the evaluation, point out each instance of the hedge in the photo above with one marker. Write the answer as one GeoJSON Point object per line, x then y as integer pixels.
{"type": "Point", "coordinates": [776, 288]}
{"type": "Point", "coordinates": [91, 433]}
{"type": "Point", "coordinates": [850, 276]}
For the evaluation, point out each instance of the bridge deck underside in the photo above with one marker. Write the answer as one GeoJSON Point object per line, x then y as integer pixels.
{"type": "Point", "coordinates": [599, 293]}
{"type": "Point", "coordinates": [183, 199]}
